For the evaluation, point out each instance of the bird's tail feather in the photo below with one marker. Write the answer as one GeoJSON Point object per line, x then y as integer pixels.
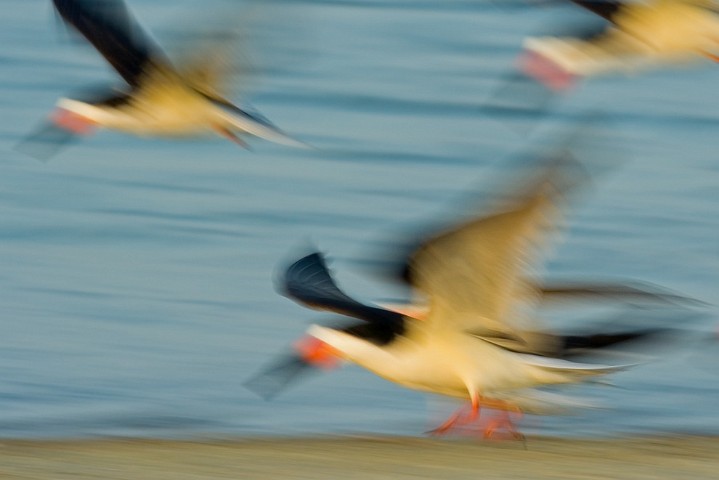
{"type": "Point", "coordinates": [571, 369]}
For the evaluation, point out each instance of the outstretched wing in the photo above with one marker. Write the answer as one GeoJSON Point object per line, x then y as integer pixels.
{"type": "Point", "coordinates": [634, 292]}
{"type": "Point", "coordinates": [309, 282]}
{"type": "Point", "coordinates": [111, 29]}
{"type": "Point", "coordinates": [474, 275]}
{"type": "Point", "coordinates": [252, 123]}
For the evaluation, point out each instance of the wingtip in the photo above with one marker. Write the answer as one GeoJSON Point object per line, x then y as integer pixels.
{"type": "Point", "coordinates": [304, 256]}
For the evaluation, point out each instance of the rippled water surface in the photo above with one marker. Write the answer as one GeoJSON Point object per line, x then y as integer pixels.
{"type": "Point", "coordinates": [136, 275]}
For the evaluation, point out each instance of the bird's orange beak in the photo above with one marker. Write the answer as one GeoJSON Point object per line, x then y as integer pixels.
{"type": "Point", "coordinates": [73, 122]}
{"type": "Point", "coordinates": [317, 353]}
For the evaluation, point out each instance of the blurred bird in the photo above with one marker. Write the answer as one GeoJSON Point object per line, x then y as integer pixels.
{"type": "Point", "coordinates": [641, 34]}
{"type": "Point", "coordinates": [161, 100]}
{"type": "Point", "coordinates": [470, 335]}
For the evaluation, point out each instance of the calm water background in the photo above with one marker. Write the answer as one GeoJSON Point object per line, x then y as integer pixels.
{"type": "Point", "coordinates": [136, 277]}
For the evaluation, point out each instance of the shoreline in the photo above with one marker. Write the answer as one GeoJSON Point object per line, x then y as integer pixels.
{"type": "Point", "coordinates": [373, 457]}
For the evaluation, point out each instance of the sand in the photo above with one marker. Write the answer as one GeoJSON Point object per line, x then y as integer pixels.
{"type": "Point", "coordinates": [363, 458]}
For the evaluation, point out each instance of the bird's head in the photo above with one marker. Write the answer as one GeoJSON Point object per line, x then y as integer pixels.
{"type": "Point", "coordinates": [75, 116]}
{"type": "Point", "coordinates": [317, 353]}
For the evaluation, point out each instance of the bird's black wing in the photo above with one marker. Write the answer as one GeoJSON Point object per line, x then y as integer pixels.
{"type": "Point", "coordinates": [635, 292]}
{"type": "Point", "coordinates": [309, 282]}
{"type": "Point", "coordinates": [111, 29]}
{"type": "Point", "coordinates": [604, 8]}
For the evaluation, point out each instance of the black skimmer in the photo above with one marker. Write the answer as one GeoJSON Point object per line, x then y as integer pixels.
{"type": "Point", "coordinates": [160, 99]}
{"type": "Point", "coordinates": [471, 334]}
{"type": "Point", "coordinates": [641, 35]}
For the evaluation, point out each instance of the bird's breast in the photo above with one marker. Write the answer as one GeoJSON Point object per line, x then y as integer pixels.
{"type": "Point", "coordinates": [172, 113]}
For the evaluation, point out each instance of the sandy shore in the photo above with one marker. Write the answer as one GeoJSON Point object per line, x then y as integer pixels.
{"type": "Point", "coordinates": [362, 458]}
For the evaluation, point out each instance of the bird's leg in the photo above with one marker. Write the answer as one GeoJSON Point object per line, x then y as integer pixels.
{"type": "Point", "coordinates": [710, 55]}
{"type": "Point", "coordinates": [464, 415]}
{"type": "Point", "coordinates": [707, 53]}
{"type": "Point", "coordinates": [502, 422]}
{"type": "Point", "coordinates": [451, 422]}
{"type": "Point", "coordinates": [230, 135]}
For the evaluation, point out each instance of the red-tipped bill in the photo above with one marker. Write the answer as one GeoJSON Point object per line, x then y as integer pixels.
{"type": "Point", "coordinates": [73, 122]}
{"type": "Point", "coordinates": [547, 72]}
{"type": "Point", "coordinates": [317, 353]}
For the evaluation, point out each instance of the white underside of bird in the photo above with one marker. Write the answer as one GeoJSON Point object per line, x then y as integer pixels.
{"type": "Point", "coordinates": [167, 110]}
{"type": "Point", "coordinates": [160, 98]}
{"type": "Point", "coordinates": [456, 364]}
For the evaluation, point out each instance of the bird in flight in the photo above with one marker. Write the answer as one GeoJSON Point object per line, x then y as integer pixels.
{"type": "Point", "coordinates": [158, 98]}
{"type": "Point", "coordinates": [639, 35]}
{"type": "Point", "coordinates": [470, 332]}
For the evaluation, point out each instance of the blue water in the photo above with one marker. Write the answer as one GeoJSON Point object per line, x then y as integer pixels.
{"type": "Point", "coordinates": [136, 277]}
